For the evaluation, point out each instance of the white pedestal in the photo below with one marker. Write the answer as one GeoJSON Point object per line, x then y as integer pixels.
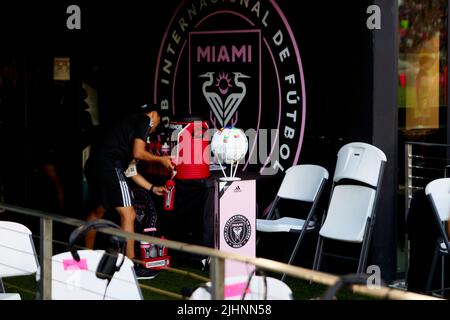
{"type": "Point", "coordinates": [236, 231]}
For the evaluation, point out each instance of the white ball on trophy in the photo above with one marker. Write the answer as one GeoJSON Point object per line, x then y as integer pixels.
{"type": "Point", "coordinates": [229, 146]}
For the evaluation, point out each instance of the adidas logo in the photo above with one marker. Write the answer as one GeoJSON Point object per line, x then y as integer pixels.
{"type": "Point", "coordinates": [237, 189]}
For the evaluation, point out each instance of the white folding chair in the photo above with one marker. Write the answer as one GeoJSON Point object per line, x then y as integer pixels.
{"type": "Point", "coordinates": [72, 280]}
{"type": "Point", "coordinates": [301, 183]}
{"type": "Point", "coordinates": [260, 288]}
{"type": "Point", "coordinates": [351, 211]}
{"type": "Point", "coordinates": [438, 193]}
{"type": "Point", "coordinates": [17, 253]}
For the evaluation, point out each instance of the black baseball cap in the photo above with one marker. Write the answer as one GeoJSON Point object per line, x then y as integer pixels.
{"type": "Point", "coordinates": [146, 108]}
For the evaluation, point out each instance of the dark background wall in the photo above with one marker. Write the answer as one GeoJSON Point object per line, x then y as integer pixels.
{"type": "Point", "coordinates": [116, 50]}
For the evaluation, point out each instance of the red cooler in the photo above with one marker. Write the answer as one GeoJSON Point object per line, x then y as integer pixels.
{"type": "Point", "coordinates": [191, 145]}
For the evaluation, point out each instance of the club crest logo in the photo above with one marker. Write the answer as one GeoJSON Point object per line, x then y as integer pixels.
{"type": "Point", "coordinates": [224, 104]}
{"type": "Point", "coordinates": [237, 231]}
{"type": "Point", "coordinates": [236, 63]}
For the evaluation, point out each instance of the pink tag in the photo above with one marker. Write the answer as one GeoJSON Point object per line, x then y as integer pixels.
{"type": "Point", "coordinates": [235, 289]}
{"type": "Point", "coordinates": [71, 264]}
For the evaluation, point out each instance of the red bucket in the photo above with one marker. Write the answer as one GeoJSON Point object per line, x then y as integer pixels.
{"type": "Point", "coordinates": [191, 145]}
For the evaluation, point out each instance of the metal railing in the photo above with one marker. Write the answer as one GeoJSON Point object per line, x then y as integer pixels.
{"type": "Point", "coordinates": [423, 167]}
{"type": "Point", "coordinates": [217, 273]}
{"type": "Point", "coordinates": [424, 162]}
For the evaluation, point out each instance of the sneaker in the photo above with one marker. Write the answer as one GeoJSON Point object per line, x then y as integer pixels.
{"type": "Point", "coordinates": [144, 273]}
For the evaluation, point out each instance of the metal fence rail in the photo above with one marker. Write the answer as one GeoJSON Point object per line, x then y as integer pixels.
{"type": "Point", "coordinates": [218, 258]}
{"type": "Point", "coordinates": [424, 162]}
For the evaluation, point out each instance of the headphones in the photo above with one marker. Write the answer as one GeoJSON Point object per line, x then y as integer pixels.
{"type": "Point", "coordinates": [345, 281]}
{"type": "Point", "coordinates": [108, 263]}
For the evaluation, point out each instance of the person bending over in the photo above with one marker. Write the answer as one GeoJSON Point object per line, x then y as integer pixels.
{"type": "Point", "coordinates": [108, 186]}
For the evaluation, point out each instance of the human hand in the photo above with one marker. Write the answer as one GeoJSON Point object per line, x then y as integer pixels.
{"type": "Point", "coordinates": [167, 162]}
{"type": "Point", "coordinates": [159, 191]}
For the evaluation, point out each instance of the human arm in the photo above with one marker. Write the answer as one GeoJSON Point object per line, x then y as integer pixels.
{"type": "Point", "coordinates": [140, 153]}
{"type": "Point", "coordinates": [138, 179]}
{"type": "Point", "coordinates": [142, 182]}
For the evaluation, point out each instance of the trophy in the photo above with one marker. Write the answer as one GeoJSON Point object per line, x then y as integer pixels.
{"type": "Point", "coordinates": [229, 146]}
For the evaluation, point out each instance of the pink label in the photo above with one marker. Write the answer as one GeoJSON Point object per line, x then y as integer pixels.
{"type": "Point", "coordinates": [71, 264]}
{"type": "Point", "coordinates": [236, 289]}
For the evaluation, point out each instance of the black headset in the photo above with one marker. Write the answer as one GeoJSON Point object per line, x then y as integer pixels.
{"type": "Point", "coordinates": [108, 263]}
{"type": "Point", "coordinates": [346, 281]}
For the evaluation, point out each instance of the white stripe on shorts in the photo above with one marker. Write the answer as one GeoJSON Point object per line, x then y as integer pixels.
{"type": "Point", "coordinates": [124, 189]}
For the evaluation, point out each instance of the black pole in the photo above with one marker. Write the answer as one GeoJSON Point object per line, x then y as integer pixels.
{"type": "Point", "coordinates": [385, 136]}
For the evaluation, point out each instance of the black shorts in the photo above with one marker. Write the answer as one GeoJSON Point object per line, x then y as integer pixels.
{"type": "Point", "coordinates": [108, 186]}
